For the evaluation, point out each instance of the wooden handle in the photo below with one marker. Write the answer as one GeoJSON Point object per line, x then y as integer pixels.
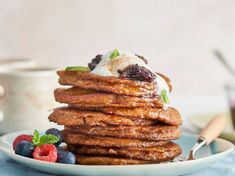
{"type": "Point", "coordinates": [213, 129]}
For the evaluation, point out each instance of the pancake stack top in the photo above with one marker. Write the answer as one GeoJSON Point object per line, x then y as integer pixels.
{"type": "Point", "coordinates": [117, 112]}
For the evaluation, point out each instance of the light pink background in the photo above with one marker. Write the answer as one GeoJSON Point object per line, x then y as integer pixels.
{"type": "Point", "coordinates": [176, 36]}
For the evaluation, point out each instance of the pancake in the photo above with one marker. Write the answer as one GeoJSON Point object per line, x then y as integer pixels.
{"type": "Point", "coordinates": [88, 98]}
{"type": "Point", "coordinates": [109, 84]}
{"type": "Point", "coordinates": [72, 117]}
{"type": "Point", "coordinates": [102, 160]}
{"type": "Point", "coordinates": [168, 116]}
{"type": "Point", "coordinates": [157, 132]}
{"type": "Point", "coordinates": [81, 139]}
{"type": "Point", "coordinates": [160, 153]}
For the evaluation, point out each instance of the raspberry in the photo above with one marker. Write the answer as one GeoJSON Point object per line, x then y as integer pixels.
{"type": "Point", "coordinates": [23, 137]}
{"type": "Point", "coordinates": [45, 152]}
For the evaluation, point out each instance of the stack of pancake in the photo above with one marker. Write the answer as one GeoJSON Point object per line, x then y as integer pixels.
{"type": "Point", "coordinates": [109, 120]}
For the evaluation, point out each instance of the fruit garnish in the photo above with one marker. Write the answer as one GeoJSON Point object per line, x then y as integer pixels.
{"type": "Point", "coordinates": [136, 72]}
{"type": "Point", "coordinates": [114, 54]}
{"type": "Point", "coordinates": [164, 96]}
{"type": "Point", "coordinates": [77, 68]}
{"type": "Point", "coordinates": [23, 137]}
{"type": "Point", "coordinates": [57, 133]}
{"type": "Point", "coordinates": [45, 152]}
{"type": "Point", "coordinates": [24, 148]}
{"type": "Point", "coordinates": [95, 62]}
{"type": "Point", "coordinates": [44, 139]}
{"type": "Point", "coordinates": [65, 156]}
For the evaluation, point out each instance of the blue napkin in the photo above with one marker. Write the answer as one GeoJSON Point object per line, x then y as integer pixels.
{"type": "Point", "coordinates": [9, 167]}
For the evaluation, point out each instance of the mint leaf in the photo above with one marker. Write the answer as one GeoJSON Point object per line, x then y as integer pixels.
{"type": "Point", "coordinates": [36, 137]}
{"type": "Point", "coordinates": [114, 54]}
{"type": "Point", "coordinates": [48, 139]}
{"type": "Point", "coordinates": [164, 96]}
{"type": "Point", "coordinates": [45, 139]}
{"type": "Point", "coordinates": [77, 68]}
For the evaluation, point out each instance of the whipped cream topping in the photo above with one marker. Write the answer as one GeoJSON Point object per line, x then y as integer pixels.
{"type": "Point", "coordinates": [110, 67]}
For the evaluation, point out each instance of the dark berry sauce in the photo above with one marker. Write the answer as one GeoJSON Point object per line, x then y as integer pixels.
{"type": "Point", "coordinates": [136, 72]}
{"type": "Point", "coordinates": [95, 62]}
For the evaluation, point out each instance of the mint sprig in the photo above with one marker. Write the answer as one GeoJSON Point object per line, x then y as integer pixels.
{"type": "Point", "coordinates": [164, 96]}
{"type": "Point", "coordinates": [36, 137]}
{"type": "Point", "coordinates": [114, 54]}
{"type": "Point", "coordinates": [44, 139]}
{"type": "Point", "coordinates": [77, 68]}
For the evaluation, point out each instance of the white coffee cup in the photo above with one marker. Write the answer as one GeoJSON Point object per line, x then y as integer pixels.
{"type": "Point", "coordinates": [27, 98]}
{"type": "Point", "coordinates": [11, 63]}
{"type": "Point", "coordinates": [7, 64]}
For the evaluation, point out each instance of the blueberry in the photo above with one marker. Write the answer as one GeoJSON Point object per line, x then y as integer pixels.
{"type": "Point", "coordinates": [24, 148]}
{"type": "Point", "coordinates": [57, 133]}
{"type": "Point", "coordinates": [65, 157]}
{"type": "Point", "coordinates": [59, 150]}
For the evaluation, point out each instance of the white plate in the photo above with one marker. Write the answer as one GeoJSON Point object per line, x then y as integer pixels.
{"type": "Point", "coordinates": [200, 121]}
{"type": "Point", "coordinates": [205, 157]}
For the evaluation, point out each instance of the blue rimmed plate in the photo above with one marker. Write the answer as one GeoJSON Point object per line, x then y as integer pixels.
{"type": "Point", "coordinates": [205, 157]}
